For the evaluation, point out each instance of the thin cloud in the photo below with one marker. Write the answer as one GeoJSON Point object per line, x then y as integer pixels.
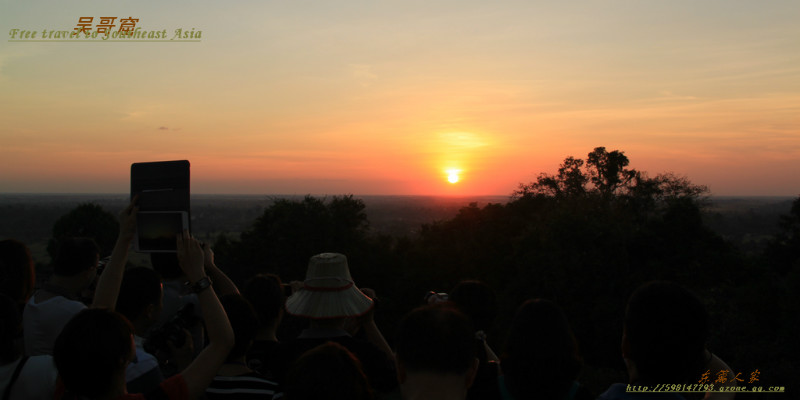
{"type": "Point", "coordinates": [363, 74]}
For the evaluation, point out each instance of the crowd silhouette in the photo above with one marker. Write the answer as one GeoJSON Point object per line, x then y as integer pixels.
{"type": "Point", "coordinates": [181, 328]}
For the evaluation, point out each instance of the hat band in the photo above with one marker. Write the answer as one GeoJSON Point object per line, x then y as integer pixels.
{"type": "Point", "coordinates": [306, 286]}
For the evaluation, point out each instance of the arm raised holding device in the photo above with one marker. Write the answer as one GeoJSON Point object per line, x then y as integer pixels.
{"type": "Point", "coordinates": [199, 374]}
{"type": "Point", "coordinates": [107, 291]}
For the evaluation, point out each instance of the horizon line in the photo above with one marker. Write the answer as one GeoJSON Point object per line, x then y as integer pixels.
{"type": "Point", "coordinates": [339, 194]}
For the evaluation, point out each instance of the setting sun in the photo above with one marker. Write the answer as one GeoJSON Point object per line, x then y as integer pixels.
{"type": "Point", "coordinates": [452, 175]}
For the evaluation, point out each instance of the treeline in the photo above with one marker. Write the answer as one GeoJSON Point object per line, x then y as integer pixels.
{"type": "Point", "coordinates": [584, 237]}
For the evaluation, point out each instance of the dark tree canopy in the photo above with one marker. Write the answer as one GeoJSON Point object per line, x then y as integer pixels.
{"type": "Point", "coordinates": [290, 231]}
{"type": "Point", "coordinates": [86, 220]}
{"type": "Point", "coordinates": [784, 250]}
{"type": "Point", "coordinates": [605, 174]}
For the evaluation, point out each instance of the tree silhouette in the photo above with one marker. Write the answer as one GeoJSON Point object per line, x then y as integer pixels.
{"type": "Point", "coordinates": [86, 220]}
{"type": "Point", "coordinates": [605, 174]}
{"type": "Point", "coordinates": [784, 250]}
{"type": "Point", "coordinates": [607, 170]}
{"type": "Point", "coordinates": [570, 181]}
{"type": "Point", "coordinates": [289, 232]}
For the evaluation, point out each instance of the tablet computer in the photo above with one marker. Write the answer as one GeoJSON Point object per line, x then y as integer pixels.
{"type": "Point", "coordinates": [163, 191]}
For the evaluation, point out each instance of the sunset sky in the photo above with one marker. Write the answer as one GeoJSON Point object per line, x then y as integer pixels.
{"type": "Point", "coordinates": [387, 97]}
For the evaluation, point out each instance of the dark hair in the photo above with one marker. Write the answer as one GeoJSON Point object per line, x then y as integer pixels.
{"type": "Point", "coordinates": [93, 346]}
{"type": "Point", "coordinates": [265, 293]}
{"type": "Point", "coordinates": [666, 327]}
{"type": "Point", "coordinates": [166, 264]}
{"type": "Point", "coordinates": [140, 288]}
{"type": "Point", "coordinates": [17, 273]}
{"type": "Point", "coordinates": [328, 371]}
{"type": "Point", "coordinates": [10, 329]}
{"type": "Point", "coordinates": [243, 321]}
{"type": "Point", "coordinates": [436, 338]}
{"type": "Point", "coordinates": [541, 357]}
{"type": "Point", "coordinates": [75, 255]}
{"type": "Point", "coordinates": [477, 300]}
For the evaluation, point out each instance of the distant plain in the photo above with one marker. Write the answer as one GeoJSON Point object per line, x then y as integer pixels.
{"type": "Point", "coordinates": [745, 221]}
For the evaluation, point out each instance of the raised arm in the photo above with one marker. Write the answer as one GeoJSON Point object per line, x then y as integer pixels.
{"type": "Point", "coordinates": [371, 331]}
{"type": "Point", "coordinates": [199, 374]}
{"type": "Point", "coordinates": [222, 284]}
{"type": "Point", "coordinates": [107, 291]}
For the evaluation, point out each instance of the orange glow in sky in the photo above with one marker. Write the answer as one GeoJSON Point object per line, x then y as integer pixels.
{"type": "Point", "coordinates": [432, 98]}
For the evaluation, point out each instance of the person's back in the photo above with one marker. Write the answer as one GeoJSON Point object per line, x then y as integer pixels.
{"type": "Point", "coordinates": [46, 313]}
{"type": "Point", "coordinates": [479, 302]}
{"type": "Point", "coordinates": [21, 377]}
{"type": "Point", "coordinates": [235, 380]}
{"type": "Point", "coordinates": [44, 320]}
{"type": "Point", "coordinates": [436, 354]}
{"type": "Point", "coordinates": [36, 380]}
{"type": "Point", "coordinates": [265, 294]}
{"type": "Point", "coordinates": [541, 359]}
{"type": "Point", "coordinates": [140, 301]}
{"type": "Point", "coordinates": [17, 272]}
{"type": "Point", "coordinates": [663, 340]}
{"type": "Point", "coordinates": [328, 371]}
{"type": "Point", "coordinates": [376, 364]}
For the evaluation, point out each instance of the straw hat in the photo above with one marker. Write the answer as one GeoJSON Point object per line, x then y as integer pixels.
{"type": "Point", "coordinates": [328, 291]}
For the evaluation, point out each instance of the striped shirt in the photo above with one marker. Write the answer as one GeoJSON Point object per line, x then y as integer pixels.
{"type": "Point", "coordinates": [242, 387]}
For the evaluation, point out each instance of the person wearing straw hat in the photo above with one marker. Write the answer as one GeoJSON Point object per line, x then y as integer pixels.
{"type": "Point", "coordinates": [329, 298]}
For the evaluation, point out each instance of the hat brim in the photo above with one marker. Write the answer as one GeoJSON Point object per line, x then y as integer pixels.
{"type": "Point", "coordinates": [350, 302]}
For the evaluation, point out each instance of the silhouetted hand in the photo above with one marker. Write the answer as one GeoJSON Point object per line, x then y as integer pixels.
{"type": "Point", "coordinates": [354, 324]}
{"type": "Point", "coordinates": [208, 255]}
{"type": "Point", "coordinates": [190, 256]}
{"type": "Point", "coordinates": [127, 221]}
{"type": "Point", "coordinates": [370, 315]}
